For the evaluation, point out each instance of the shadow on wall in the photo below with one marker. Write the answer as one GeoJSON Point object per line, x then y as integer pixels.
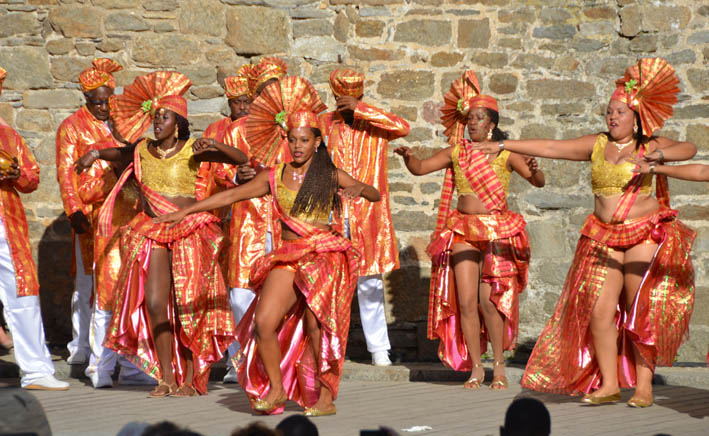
{"type": "Point", "coordinates": [55, 281]}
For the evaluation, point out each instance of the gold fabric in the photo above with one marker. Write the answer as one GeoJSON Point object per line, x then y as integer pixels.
{"type": "Point", "coordinates": [609, 179]}
{"type": "Point", "coordinates": [499, 165]}
{"type": "Point", "coordinates": [172, 176]}
{"type": "Point", "coordinates": [286, 198]}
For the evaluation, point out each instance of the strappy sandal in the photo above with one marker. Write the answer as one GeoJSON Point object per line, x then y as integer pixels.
{"type": "Point", "coordinates": [474, 382]}
{"type": "Point", "coordinates": [186, 390]}
{"type": "Point", "coordinates": [499, 382]}
{"type": "Point", "coordinates": [163, 390]}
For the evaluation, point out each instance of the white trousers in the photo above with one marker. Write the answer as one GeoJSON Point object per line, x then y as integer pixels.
{"type": "Point", "coordinates": [80, 306]}
{"type": "Point", "coordinates": [240, 300]}
{"type": "Point", "coordinates": [24, 317]}
{"type": "Point", "coordinates": [102, 360]}
{"type": "Point", "coordinates": [370, 295]}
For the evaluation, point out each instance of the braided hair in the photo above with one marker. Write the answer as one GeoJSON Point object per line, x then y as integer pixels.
{"type": "Point", "coordinates": [320, 186]}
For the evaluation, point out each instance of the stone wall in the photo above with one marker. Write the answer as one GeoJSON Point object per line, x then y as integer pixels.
{"type": "Point", "coordinates": [551, 64]}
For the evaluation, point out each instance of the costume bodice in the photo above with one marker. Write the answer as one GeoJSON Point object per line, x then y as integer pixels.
{"type": "Point", "coordinates": [172, 176]}
{"type": "Point", "coordinates": [609, 179]}
{"type": "Point", "coordinates": [286, 199]}
{"type": "Point", "coordinates": [499, 165]}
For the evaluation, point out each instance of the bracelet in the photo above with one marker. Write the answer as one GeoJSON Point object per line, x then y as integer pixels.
{"type": "Point", "coordinates": [501, 145]}
{"type": "Point", "coordinates": [662, 156]}
{"type": "Point", "coordinates": [652, 168]}
{"type": "Point", "coordinates": [95, 154]}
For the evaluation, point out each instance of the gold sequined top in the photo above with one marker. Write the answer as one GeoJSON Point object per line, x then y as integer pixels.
{"type": "Point", "coordinates": [499, 165]}
{"type": "Point", "coordinates": [286, 198]}
{"type": "Point", "coordinates": [174, 176]}
{"type": "Point", "coordinates": [609, 179]}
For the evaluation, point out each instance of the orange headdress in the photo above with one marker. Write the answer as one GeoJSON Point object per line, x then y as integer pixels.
{"type": "Point", "coordinates": [134, 110]}
{"type": "Point", "coordinates": [347, 82]}
{"type": "Point", "coordinates": [266, 128]}
{"type": "Point", "coordinates": [269, 68]}
{"type": "Point", "coordinates": [482, 100]}
{"type": "Point", "coordinates": [650, 89]}
{"type": "Point", "coordinates": [240, 84]}
{"type": "Point", "coordinates": [99, 74]}
{"type": "Point", "coordinates": [3, 74]}
{"type": "Point", "coordinates": [302, 119]}
{"type": "Point", "coordinates": [456, 105]}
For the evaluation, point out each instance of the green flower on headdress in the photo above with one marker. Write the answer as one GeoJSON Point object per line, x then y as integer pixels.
{"type": "Point", "coordinates": [281, 119]}
{"type": "Point", "coordinates": [147, 105]}
{"type": "Point", "coordinates": [630, 85]}
{"type": "Point", "coordinates": [459, 106]}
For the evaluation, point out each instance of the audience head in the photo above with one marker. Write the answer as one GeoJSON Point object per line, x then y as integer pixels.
{"type": "Point", "coordinates": [526, 417]}
{"type": "Point", "coordinates": [255, 429]}
{"type": "Point", "coordinates": [167, 428]}
{"type": "Point", "coordinates": [297, 425]}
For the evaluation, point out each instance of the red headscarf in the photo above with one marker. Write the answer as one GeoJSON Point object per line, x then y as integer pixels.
{"type": "Point", "coordinates": [99, 74]}
{"type": "Point", "coordinates": [347, 82]}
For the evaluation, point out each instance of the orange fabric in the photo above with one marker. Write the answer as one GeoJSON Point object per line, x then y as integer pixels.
{"type": "Point", "coordinates": [485, 101]}
{"type": "Point", "coordinates": [302, 119]}
{"type": "Point", "coordinates": [269, 68]}
{"type": "Point", "coordinates": [362, 151]}
{"type": "Point", "coordinates": [99, 74]}
{"type": "Point", "coordinates": [454, 112]}
{"type": "Point", "coordinates": [3, 74]}
{"type": "Point", "coordinates": [347, 82]}
{"type": "Point", "coordinates": [217, 131]}
{"type": "Point", "coordinates": [13, 213]}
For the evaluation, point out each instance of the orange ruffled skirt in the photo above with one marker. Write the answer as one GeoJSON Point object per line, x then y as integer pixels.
{"type": "Point", "coordinates": [325, 283]}
{"type": "Point", "coordinates": [199, 311]}
{"type": "Point", "coordinates": [657, 323]}
{"type": "Point", "coordinates": [505, 247]}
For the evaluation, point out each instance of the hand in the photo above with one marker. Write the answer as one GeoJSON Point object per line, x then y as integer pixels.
{"type": "Point", "coordinates": [346, 103]}
{"type": "Point", "coordinates": [173, 218]}
{"type": "Point", "coordinates": [354, 191]}
{"type": "Point", "coordinates": [531, 164]}
{"type": "Point", "coordinates": [486, 147]}
{"type": "Point", "coordinates": [79, 223]}
{"type": "Point", "coordinates": [642, 166]}
{"type": "Point", "coordinates": [654, 157]}
{"type": "Point", "coordinates": [85, 162]}
{"type": "Point", "coordinates": [245, 173]}
{"type": "Point", "coordinates": [12, 173]}
{"type": "Point", "coordinates": [204, 144]}
{"type": "Point", "coordinates": [404, 151]}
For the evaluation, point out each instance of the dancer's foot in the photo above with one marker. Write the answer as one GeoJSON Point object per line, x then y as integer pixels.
{"type": "Point", "coordinates": [605, 394]}
{"type": "Point", "coordinates": [477, 376]}
{"type": "Point", "coordinates": [641, 398]}
{"type": "Point", "coordinates": [323, 407]}
{"type": "Point", "coordinates": [499, 379]}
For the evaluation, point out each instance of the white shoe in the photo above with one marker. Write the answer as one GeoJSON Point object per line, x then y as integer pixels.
{"type": "Point", "coordinates": [381, 358]}
{"type": "Point", "coordinates": [48, 383]}
{"type": "Point", "coordinates": [101, 380]}
{"type": "Point", "coordinates": [78, 357]}
{"type": "Point", "coordinates": [137, 378]}
{"type": "Point", "coordinates": [230, 376]}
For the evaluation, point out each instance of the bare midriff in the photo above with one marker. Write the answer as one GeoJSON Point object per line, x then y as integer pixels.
{"type": "Point", "coordinates": [605, 206]}
{"type": "Point", "coordinates": [290, 235]}
{"type": "Point", "coordinates": [180, 201]}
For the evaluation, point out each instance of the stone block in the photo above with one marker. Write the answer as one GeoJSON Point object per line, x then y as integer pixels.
{"type": "Point", "coordinates": [400, 187]}
{"type": "Point", "coordinates": [630, 20]}
{"type": "Point", "coordinates": [165, 50]}
{"type": "Point", "coordinates": [366, 2]}
{"type": "Point", "coordinates": [160, 5]}
{"type": "Point", "coordinates": [52, 99]}
{"type": "Point", "coordinates": [34, 120]}
{"type": "Point", "coordinates": [682, 187]}
{"type": "Point", "coordinates": [474, 33]}
{"type": "Point", "coordinates": [432, 112]}
{"type": "Point", "coordinates": [698, 134]}
{"type": "Point", "coordinates": [532, 61]}
{"type": "Point", "coordinates": [116, 4]}
{"type": "Point", "coordinates": [205, 17]}
{"type": "Point", "coordinates": [701, 37]}
{"type": "Point", "coordinates": [19, 61]}
{"type": "Point", "coordinates": [369, 28]}
{"type": "Point", "coordinates": [67, 68]}
{"type": "Point", "coordinates": [644, 43]}
{"type": "Point", "coordinates": [503, 83]}
{"type": "Point", "coordinates": [560, 32]}
{"type": "Point", "coordinates": [221, 55]}
{"type": "Point", "coordinates": [693, 212]}
{"type": "Point", "coordinates": [200, 74]}
{"type": "Point", "coordinates": [341, 29]}
{"type": "Point", "coordinates": [418, 134]}
{"type": "Point", "coordinates": [490, 59]}
{"type": "Point", "coordinates": [320, 48]}
{"type": "Point", "coordinates": [424, 32]}
{"type": "Point", "coordinates": [682, 57]}
{"type": "Point", "coordinates": [164, 27]}
{"type": "Point", "coordinates": [125, 22]}
{"type": "Point", "coordinates": [662, 18]}
{"type": "Point", "coordinates": [126, 77]}
{"type": "Point", "coordinates": [513, 43]}
{"type": "Point", "coordinates": [85, 48]}
{"type": "Point", "coordinates": [205, 92]}
{"type": "Point", "coordinates": [555, 15]}
{"type": "Point", "coordinates": [525, 15]}
{"type": "Point", "coordinates": [199, 123]}
{"type": "Point", "coordinates": [7, 113]}
{"type": "Point", "coordinates": [76, 21]}
{"type": "Point", "coordinates": [406, 85]}
{"type": "Point", "coordinates": [412, 221]}
{"type": "Point", "coordinates": [567, 63]}
{"type": "Point", "coordinates": [317, 27]}
{"type": "Point", "coordinates": [446, 59]}
{"type": "Point", "coordinates": [18, 24]}
{"type": "Point", "coordinates": [531, 131]}
{"type": "Point", "coordinates": [409, 113]}
{"type": "Point", "coordinates": [600, 12]}
{"type": "Point", "coordinates": [602, 28]}
{"type": "Point", "coordinates": [563, 109]}
{"type": "Point", "coordinates": [692, 111]}
{"type": "Point", "coordinates": [547, 239]}
{"type": "Point", "coordinates": [561, 89]}
{"type": "Point", "coordinates": [374, 54]}
{"type": "Point", "coordinates": [110, 45]}
{"type": "Point", "coordinates": [60, 46]}
{"type": "Point", "coordinates": [208, 106]}
{"type": "Point", "coordinates": [257, 30]}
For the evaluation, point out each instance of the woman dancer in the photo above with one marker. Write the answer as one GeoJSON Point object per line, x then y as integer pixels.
{"type": "Point", "coordinates": [480, 251]}
{"type": "Point", "coordinates": [633, 254]}
{"type": "Point", "coordinates": [295, 331]}
{"type": "Point", "coordinates": [172, 317]}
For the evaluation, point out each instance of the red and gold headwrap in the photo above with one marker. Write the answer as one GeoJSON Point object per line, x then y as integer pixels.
{"type": "Point", "coordinates": [454, 113]}
{"type": "Point", "coordinates": [482, 100]}
{"type": "Point", "coordinates": [347, 82]}
{"type": "Point", "coordinates": [269, 68]}
{"type": "Point", "coordinates": [3, 74]}
{"type": "Point", "coordinates": [134, 110]}
{"type": "Point", "coordinates": [650, 89]}
{"type": "Point", "coordinates": [99, 74]}
{"type": "Point", "coordinates": [302, 119]}
{"type": "Point", "coordinates": [242, 83]}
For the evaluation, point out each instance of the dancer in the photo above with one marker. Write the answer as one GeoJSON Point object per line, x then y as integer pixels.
{"type": "Point", "coordinates": [172, 317]}
{"type": "Point", "coordinates": [295, 334]}
{"type": "Point", "coordinates": [480, 252]}
{"type": "Point", "coordinates": [19, 285]}
{"type": "Point", "coordinates": [358, 135]}
{"type": "Point", "coordinates": [627, 300]}
{"type": "Point", "coordinates": [85, 130]}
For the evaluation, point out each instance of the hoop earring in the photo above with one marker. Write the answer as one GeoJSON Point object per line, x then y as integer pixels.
{"type": "Point", "coordinates": [177, 133]}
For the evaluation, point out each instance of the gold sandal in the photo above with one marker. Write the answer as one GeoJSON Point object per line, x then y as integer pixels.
{"type": "Point", "coordinates": [163, 390]}
{"type": "Point", "coordinates": [269, 407]}
{"type": "Point", "coordinates": [313, 412]}
{"type": "Point", "coordinates": [186, 390]}
{"type": "Point", "coordinates": [474, 382]}
{"type": "Point", "coordinates": [499, 382]}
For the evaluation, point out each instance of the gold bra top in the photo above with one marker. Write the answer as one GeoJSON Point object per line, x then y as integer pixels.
{"type": "Point", "coordinates": [286, 198]}
{"type": "Point", "coordinates": [174, 176]}
{"type": "Point", "coordinates": [609, 179]}
{"type": "Point", "coordinates": [499, 165]}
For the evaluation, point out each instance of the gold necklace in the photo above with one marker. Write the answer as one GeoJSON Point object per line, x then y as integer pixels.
{"type": "Point", "coordinates": [298, 177]}
{"type": "Point", "coordinates": [621, 146]}
{"type": "Point", "coordinates": [163, 153]}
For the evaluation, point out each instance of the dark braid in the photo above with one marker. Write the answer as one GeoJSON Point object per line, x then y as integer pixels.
{"type": "Point", "coordinates": [320, 185]}
{"type": "Point", "coordinates": [497, 134]}
{"type": "Point", "coordinates": [183, 127]}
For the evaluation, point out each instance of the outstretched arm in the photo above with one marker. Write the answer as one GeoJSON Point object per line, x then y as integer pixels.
{"type": "Point", "coordinates": [257, 187]}
{"type": "Point", "coordinates": [528, 168]}
{"type": "Point", "coordinates": [396, 126]}
{"type": "Point", "coordinates": [692, 172]}
{"type": "Point", "coordinates": [113, 154]}
{"type": "Point", "coordinates": [667, 150]}
{"type": "Point", "coordinates": [569, 149]}
{"type": "Point", "coordinates": [352, 188]}
{"type": "Point", "coordinates": [209, 150]}
{"type": "Point", "coordinates": [419, 167]}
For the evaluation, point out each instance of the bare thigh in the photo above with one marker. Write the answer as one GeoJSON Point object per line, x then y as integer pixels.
{"type": "Point", "coordinates": [636, 262]}
{"type": "Point", "coordinates": [276, 298]}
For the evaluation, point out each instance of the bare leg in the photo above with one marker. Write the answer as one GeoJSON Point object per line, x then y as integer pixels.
{"type": "Point", "coordinates": [325, 401]}
{"type": "Point", "coordinates": [603, 329]}
{"type": "Point", "coordinates": [466, 267]}
{"type": "Point", "coordinates": [495, 325]}
{"type": "Point", "coordinates": [637, 261]}
{"type": "Point", "coordinates": [275, 300]}
{"type": "Point", "coordinates": [157, 294]}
